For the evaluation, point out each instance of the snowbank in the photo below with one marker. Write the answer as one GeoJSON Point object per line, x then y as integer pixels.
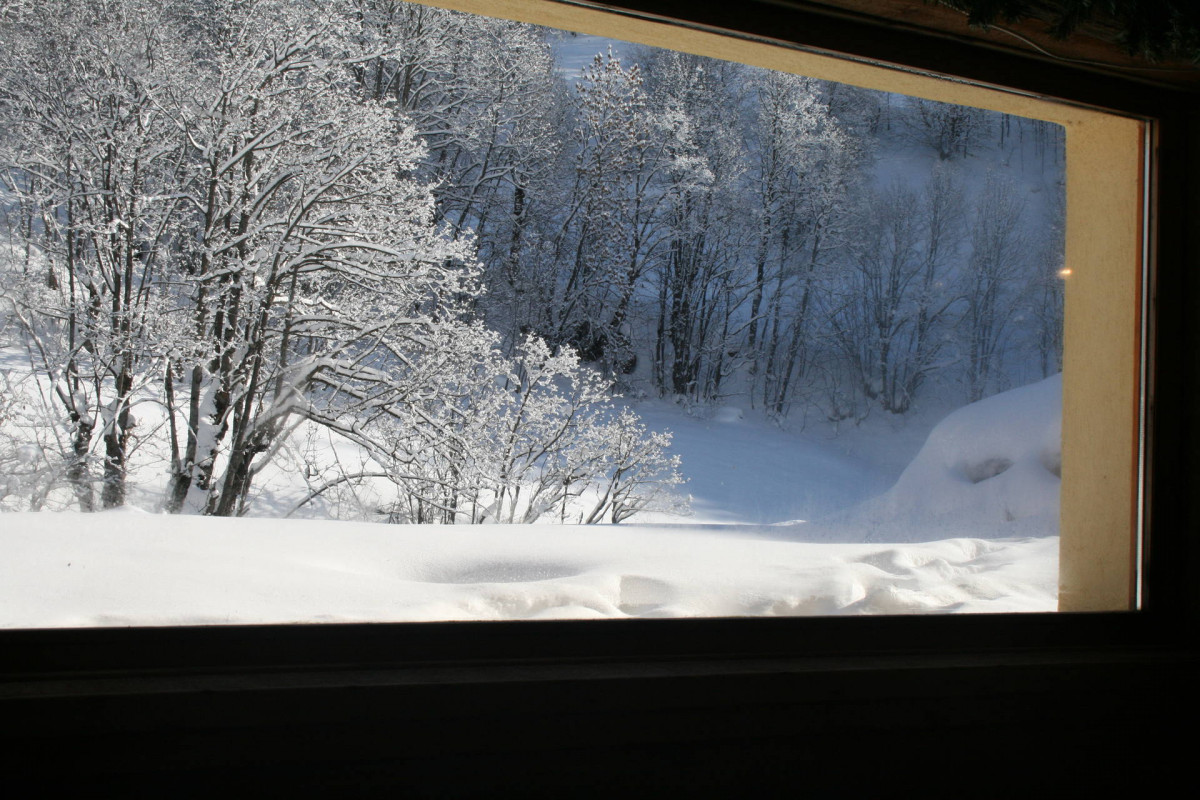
{"type": "Point", "coordinates": [990, 469]}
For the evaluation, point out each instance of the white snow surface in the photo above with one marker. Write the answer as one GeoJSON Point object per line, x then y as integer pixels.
{"type": "Point", "coordinates": [742, 469]}
{"type": "Point", "coordinates": [994, 548]}
{"type": "Point", "coordinates": [133, 568]}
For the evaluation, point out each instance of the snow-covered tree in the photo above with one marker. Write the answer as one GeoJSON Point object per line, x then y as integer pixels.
{"type": "Point", "coordinates": [91, 157]}
{"type": "Point", "coordinates": [636, 474]}
{"type": "Point", "coordinates": [317, 269]}
{"type": "Point", "coordinates": [519, 439]}
{"type": "Point", "coordinates": [603, 227]}
{"type": "Point", "coordinates": [484, 97]}
{"type": "Point", "coordinates": [703, 226]}
{"type": "Point", "coordinates": [948, 129]}
{"type": "Point", "coordinates": [806, 172]}
{"type": "Point", "coordinates": [227, 208]}
{"type": "Point", "coordinates": [889, 315]}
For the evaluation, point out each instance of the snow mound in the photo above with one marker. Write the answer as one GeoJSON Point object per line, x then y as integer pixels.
{"type": "Point", "coordinates": [991, 469]}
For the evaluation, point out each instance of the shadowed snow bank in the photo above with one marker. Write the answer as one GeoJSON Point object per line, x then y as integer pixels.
{"type": "Point", "coordinates": [989, 470]}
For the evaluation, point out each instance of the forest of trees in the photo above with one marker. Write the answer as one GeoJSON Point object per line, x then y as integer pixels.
{"type": "Point", "coordinates": [403, 227]}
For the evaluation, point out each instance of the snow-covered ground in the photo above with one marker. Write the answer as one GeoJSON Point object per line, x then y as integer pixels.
{"type": "Point", "coordinates": [742, 469]}
{"type": "Point", "coordinates": [970, 526]}
{"type": "Point", "coordinates": [134, 568]}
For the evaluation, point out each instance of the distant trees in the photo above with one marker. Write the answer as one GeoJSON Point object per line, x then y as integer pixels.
{"type": "Point", "coordinates": [999, 261]}
{"type": "Point", "coordinates": [707, 218]}
{"type": "Point", "coordinates": [803, 178]}
{"type": "Point", "coordinates": [947, 129]}
{"type": "Point", "coordinates": [937, 289]}
{"type": "Point", "coordinates": [874, 314]}
{"type": "Point", "coordinates": [889, 319]}
{"type": "Point", "coordinates": [1045, 289]}
{"type": "Point", "coordinates": [596, 242]}
{"type": "Point", "coordinates": [483, 96]}
{"type": "Point", "coordinates": [697, 279]}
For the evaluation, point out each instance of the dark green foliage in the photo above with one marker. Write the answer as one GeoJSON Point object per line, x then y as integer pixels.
{"type": "Point", "coordinates": [1151, 29]}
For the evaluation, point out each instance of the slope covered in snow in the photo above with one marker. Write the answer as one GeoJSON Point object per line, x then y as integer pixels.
{"type": "Point", "coordinates": [744, 469]}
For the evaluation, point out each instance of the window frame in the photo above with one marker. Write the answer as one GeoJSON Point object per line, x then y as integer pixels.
{"type": "Point", "coordinates": [106, 689]}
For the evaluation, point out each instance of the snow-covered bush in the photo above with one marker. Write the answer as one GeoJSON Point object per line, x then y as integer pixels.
{"type": "Point", "coordinates": [521, 439]}
{"type": "Point", "coordinates": [28, 470]}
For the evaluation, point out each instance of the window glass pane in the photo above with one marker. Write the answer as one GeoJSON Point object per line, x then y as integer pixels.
{"type": "Point", "coordinates": [375, 311]}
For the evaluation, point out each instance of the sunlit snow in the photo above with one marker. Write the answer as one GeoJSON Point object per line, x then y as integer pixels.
{"type": "Point", "coordinates": [135, 568]}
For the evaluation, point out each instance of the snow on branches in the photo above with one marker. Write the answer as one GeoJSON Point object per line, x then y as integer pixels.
{"type": "Point", "coordinates": [218, 215]}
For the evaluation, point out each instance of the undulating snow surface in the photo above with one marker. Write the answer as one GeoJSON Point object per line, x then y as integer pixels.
{"type": "Point", "coordinates": [996, 550]}
{"type": "Point", "coordinates": [133, 568]}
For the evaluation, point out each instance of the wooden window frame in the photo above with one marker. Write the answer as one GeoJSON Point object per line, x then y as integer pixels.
{"type": "Point", "coordinates": [466, 705]}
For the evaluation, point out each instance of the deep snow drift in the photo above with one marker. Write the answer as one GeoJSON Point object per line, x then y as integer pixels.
{"type": "Point", "coordinates": [990, 469]}
{"type": "Point", "coordinates": [984, 483]}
